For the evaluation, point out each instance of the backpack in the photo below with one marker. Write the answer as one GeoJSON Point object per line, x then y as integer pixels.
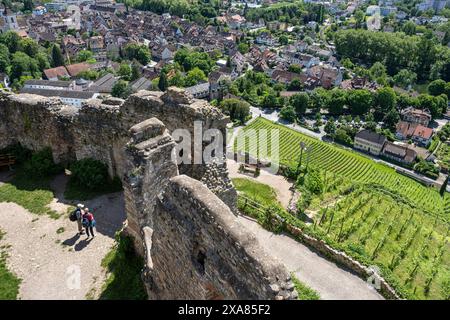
{"type": "Point", "coordinates": [73, 216]}
{"type": "Point", "coordinates": [85, 222]}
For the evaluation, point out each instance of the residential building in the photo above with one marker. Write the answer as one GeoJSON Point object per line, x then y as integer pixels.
{"type": "Point", "coordinates": [39, 10]}
{"type": "Point", "coordinates": [199, 91]}
{"type": "Point", "coordinates": [104, 84]}
{"type": "Point", "coordinates": [419, 116]}
{"type": "Point", "coordinates": [141, 84]}
{"type": "Point", "coordinates": [54, 74]}
{"type": "Point", "coordinates": [422, 135]}
{"type": "Point", "coordinates": [74, 98]}
{"type": "Point", "coordinates": [405, 130]}
{"type": "Point", "coordinates": [399, 153]}
{"type": "Point", "coordinates": [49, 85]}
{"type": "Point", "coordinates": [8, 20]}
{"type": "Point", "coordinates": [369, 141]}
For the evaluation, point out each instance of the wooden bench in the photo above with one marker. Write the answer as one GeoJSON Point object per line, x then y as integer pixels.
{"type": "Point", "coordinates": [7, 160]}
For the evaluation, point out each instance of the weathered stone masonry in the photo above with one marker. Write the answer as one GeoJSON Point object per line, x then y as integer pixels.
{"type": "Point", "coordinates": [194, 247]}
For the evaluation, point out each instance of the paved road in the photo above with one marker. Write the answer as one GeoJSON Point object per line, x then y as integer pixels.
{"type": "Point", "coordinates": [256, 112]}
{"type": "Point", "coordinates": [329, 280]}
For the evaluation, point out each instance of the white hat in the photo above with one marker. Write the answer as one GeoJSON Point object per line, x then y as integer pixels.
{"type": "Point", "coordinates": [81, 206]}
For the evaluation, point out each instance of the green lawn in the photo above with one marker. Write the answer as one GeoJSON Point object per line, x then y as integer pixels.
{"type": "Point", "coordinates": [304, 292]}
{"type": "Point", "coordinates": [124, 267]}
{"type": "Point", "coordinates": [9, 283]}
{"type": "Point", "coordinates": [259, 192]}
{"type": "Point", "coordinates": [34, 195]}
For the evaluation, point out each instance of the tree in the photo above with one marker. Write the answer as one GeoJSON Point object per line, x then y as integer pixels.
{"type": "Point", "coordinates": [163, 83]}
{"type": "Point", "coordinates": [288, 113]}
{"type": "Point", "coordinates": [300, 102]}
{"type": "Point", "coordinates": [57, 57]}
{"type": "Point", "coordinates": [28, 5]}
{"type": "Point", "coordinates": [436, 105]}
{"type": "Point", "coordinates": [437, 87]}
{"type": "Point", "coordinates": [341, 136]}
{"type": "Point", "coordinates": [194, 76]}
{"type": "Point", "coordinates": [370, 122]}
{"type": "Point", "coordinates": [391, 118]}
{"type": "Point", "coordinates": [378, 73]}
{"type": "Point", "coordinates": [359, 17]}
{"type": "Point", "coordinates": [29, 46]}
{"type": "Point", "coordinates": [12, 40]}
{"type": "Point", "coordinates": [121, 89]}
{"type": "Point", "coordinates": [295, 68]}
{"type": "Point", "coordinates": [23, 65]}
{"type": "Point", "coordinates": [85, 55]}
{"type": "Point", "coordinates": [4, 57]}
{"type": "Point", "coordinates": [359, 101]}
{"type": "Point", "coordinates": [409, 28]}
{"type": "Point", "coordinates": [284, 40]}
{"type": "Point", "coordinates": [294, 85]}
{"type": "Point", "coordinates": [139, 52]}
{"type": "Point", "coordinates": [330, 127]}
{"type": "Point", "coordinates": [270, 101]}
{"type": "Point", "coordinates": [337, 101]}
{"type": "Point", "coordinates": [88, 74]}
{"type": "Point", "coordinates": [243, 47]}
{"type": "Point", "coordinates": [385, 99]}
{"type": "Point", "coordinates": [42, 60]}
{"type": "Point", "coordinates": [238, 110]}
{"type": "Point", "coordinates": [135, 72]}
{"type": "Point", "coordinates": [405, 78]}
{"type": "Point", "coordinates": [125, 71]}
{"type": "Point", "coordinates": [319, 98]}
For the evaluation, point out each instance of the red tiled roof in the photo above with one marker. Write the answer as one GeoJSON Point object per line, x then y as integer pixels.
{"type": "Point", "coordinates": [76, 68]}
{"type": "Point", "coordinates": [423, 132]}
{"type": "Point", "coordinates": [56, 72]}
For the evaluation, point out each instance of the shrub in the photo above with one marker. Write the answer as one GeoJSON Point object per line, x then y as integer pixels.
{"type": "Point", "coordinates": [41, 165]}
{"type": "Point", "coordinates": [89, 173]}
{"type": "Point", "coordinates": [313, 181]}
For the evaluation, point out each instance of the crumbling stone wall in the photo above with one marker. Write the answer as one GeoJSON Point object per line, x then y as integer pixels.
{"type": "Point", "coordinates": [194, 246]}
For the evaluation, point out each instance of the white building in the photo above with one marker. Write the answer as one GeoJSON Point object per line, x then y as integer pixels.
{"type": "Point", "coordinates": [8, 20]}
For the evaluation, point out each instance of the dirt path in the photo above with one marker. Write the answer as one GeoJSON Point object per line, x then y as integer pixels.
{"type": "Point", "coordinates": [328, 279]}
{"type": "Point", "coordinates": [279, 183]}
{"type": "Point", "coordinates": [48, 255]}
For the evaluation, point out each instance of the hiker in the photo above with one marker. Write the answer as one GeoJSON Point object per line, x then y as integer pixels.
{"type": "Point", "coordinates": [89, 222]}
{"type": "Point", "coordinates": [79, 215]}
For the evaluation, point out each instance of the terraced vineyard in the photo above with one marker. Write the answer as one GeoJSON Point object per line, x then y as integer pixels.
{"type": "Point", "coordinates": [411, 246]}
{"type": "Point", "coordinates": [346, 163]}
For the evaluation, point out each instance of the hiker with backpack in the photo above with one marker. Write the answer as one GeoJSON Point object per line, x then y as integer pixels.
{"type": "Point", "coordinates": [77, 216]}
{"type": "Point", "coordinates": [89, 222]}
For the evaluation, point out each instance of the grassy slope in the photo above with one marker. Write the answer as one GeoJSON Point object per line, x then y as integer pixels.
{"type": "Point", "coordinates": [9, 283]}
{"type": "Point", "coordinates": [124, 267]}
{"type": "Point", "coordinates": [33, 195]}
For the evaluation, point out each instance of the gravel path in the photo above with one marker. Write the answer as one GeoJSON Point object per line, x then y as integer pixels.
{"type": "Point", "coordinates": [47, 254]}
{"type": "Point", "coordinates": [328, 279]}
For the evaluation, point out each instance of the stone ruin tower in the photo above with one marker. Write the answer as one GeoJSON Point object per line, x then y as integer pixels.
{"type": "Point", "coordinates": [181, 217]}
